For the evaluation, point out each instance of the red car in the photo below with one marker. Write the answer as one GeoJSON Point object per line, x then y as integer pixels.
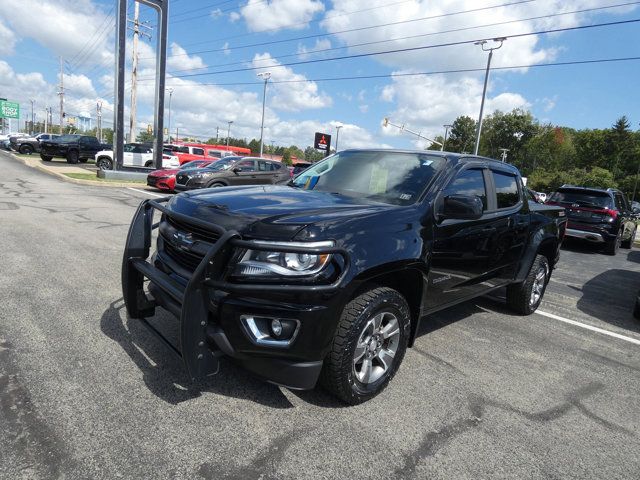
{"type": "Point", "coordinates": [165, 179]}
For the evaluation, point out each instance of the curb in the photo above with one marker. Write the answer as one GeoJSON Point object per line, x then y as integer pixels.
{"type": "Point", "coordinates": [39, 166]}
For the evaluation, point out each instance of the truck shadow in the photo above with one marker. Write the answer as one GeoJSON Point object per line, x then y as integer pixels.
{"type": "Point", "coordinates": [610, 297]}
{"type": "Point", "coordinates": [164, 374]}
{"type": "Point", "coordinates": [581, 246]}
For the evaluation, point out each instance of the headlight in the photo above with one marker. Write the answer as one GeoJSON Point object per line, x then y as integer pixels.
{"type": "Point", "coordinates": [282, 263]}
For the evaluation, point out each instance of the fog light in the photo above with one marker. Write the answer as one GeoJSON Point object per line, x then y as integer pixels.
{"type": "Point", "coordinates": [276, 327]}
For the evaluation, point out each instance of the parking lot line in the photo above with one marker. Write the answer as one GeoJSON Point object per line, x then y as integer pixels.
{"type": "Point", "coordinates": [589, 327]}
{"type": "Point", "coordinates": [144, 191]}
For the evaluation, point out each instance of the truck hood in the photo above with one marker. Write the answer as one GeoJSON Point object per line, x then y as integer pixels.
{"type": "Point", "coordinates": [272, 212]}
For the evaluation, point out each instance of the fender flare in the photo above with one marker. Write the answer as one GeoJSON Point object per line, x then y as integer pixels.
{"type": "Point", "coordinates": [537, 239]}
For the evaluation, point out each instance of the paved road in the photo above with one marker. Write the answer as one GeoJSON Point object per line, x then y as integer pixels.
{"type": "Point", "coordinates": [86, 393]}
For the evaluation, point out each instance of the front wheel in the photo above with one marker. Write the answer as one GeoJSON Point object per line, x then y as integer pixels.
{"type": "Point", "coordinates": [368, 346]}
{"type": "Point", "coordinates": [46, 158]}
{"type": "Point", "coordinates": [525, 297]}
{"type": "Point", "coordinates": [216, 185]}
{"type": "Point", "coordinates": [26, 149]}
{"type": "Point", "coordinates": [104, 163]}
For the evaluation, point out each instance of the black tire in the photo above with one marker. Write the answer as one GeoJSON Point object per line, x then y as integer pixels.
{"type": "Point", "coordinates": [636, 309]}
{"type": "Point", "coordinates": [629, 243]}
{"type": "Point", "coordinates": [216, 185]}
{"type": "Point", "coordinates": [104, 163]}
{"type": "Point", "coordinates": [611, 247]}
{"type": "Point", "coordinates": [84, 160]}
{"type": "Point", "coordinates": [72, 156]}
{"type": "Point", "coordinates": [26, 149]}
{"type": "Point", "coordinates": [149, 163]}
{"type": "Point", "coordinates": [45, 158]}
{"type": "Point", "coordinates": [339, 374]}
{"type": "Point", "coordinates": [521, 297]}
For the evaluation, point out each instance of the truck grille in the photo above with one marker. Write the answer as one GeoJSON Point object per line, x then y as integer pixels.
{"type": "Point", "coordinates": [180, 253]}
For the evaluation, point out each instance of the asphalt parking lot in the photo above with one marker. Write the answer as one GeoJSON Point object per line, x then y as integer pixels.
{"type": "Point", "coordinates": [87, 393]}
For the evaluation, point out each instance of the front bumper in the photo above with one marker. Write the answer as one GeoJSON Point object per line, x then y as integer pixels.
{"type": "Point", "coordinates": [210, 309]}
{"type": "Point", "coordinates": [191, 184]}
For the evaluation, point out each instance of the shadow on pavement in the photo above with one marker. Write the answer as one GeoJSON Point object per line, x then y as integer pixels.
{"type": "Point", "coordinates": [610, 297]}
{"type": "Point", "coordinates": [582, 246]}
{"type": "Point", "coordinates": [634, 256]}
{"type": "Point", "coordinates": [163, 372]}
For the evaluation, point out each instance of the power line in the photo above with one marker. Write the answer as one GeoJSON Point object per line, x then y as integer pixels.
{"type": "Point", "coordinates": [318, 35]}
{"type": "Point", "coordinates": [221, 11]}
{"type": "Point", "coordinates": [506, 22]}
{"type": "Point", "coordinates": [214, 5]}
{"type": "Point", "coordinates": [94, 34]}
{"type": "Point", "coordinates": [414, 74]}
{"type": "Point", "coordinates": [412, 49]}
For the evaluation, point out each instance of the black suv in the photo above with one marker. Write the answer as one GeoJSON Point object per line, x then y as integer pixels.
{"type": "Point", "coordinates": [597, 215]}
{"type": "Point", "coordinates": [231, 171]}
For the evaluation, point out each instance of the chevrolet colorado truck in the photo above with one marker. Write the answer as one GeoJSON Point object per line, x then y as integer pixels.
{"type": "Point", "coordinates": [328, 277]}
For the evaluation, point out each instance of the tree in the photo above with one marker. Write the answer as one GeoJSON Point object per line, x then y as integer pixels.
{"type": "Point", "coordinates": [254, 145]}
{"type": "Point", "coordinates": [435, 146]}
{"type": "Point", "coordinates": [145, 137]}
{"type": "Point", "coordinates": [463, 135]}
{"type": "Point", "coordinates": [508, 130]}
{"type": "Point", "coordinates": [286, 157]}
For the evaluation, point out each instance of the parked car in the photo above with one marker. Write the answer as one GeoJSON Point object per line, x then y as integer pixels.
{"type": "Point", "coordinates": [28, 145]}
{"type": "Point", "coordinates": [230, 171]}
{"type": "Point", "coordinates": [597, 215]}
{"type": "Point", "coordinates": [329, 276]}
{"type": "Point", "coordinates": [134, 155]}
{"type": "Point", "coordinates": [75, 148]}
{"type": "Point", "coordinates": [165, 179]}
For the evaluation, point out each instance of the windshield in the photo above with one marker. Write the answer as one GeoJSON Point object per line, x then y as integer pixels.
{"type": "Point", "coordinates": [68, 138]}
{"type": "Point", "coordinates": [223, 164]}
{"type": "Point", "coordinates": [582, 198]}
{"type": "Point", "coordinates": [386, 176]}
{"type": "Point", "coordinates": [193, 164]}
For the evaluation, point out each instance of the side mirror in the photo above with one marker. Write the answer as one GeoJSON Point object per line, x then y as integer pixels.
{"type": "Point", "coordinates": [462, 207]}
{"type": "Point", "coordinates": [237, 169]}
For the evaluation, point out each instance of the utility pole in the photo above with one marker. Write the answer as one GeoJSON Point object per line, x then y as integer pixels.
{"type": "Point", "coordinates": [134, 68]}
{"type": "Point", "coordinates": [33, 118]}
{"type": "Point", "coordinates": [61, 93]}
{"type": "Point", "coordinates": [46, 120]}
{"type": "Point", "coordinates": [484, 90]}
{"type": "Point", "coordinates": [99, 116]}
{"type": "Point", "coordinates": [217, 133]}
{"type": "Point", "coordinates": [338, 127]}
{"type": "Point", "coordinates": [265, 76]}
{"type": "Point", "coordinates": [503, 155]}
{"type": "Point", "coordinates": [229, 131]}
{"type": "Point", "coordinates": [446, 131]}
{"type": "Point", "coordinates": [170, 90]}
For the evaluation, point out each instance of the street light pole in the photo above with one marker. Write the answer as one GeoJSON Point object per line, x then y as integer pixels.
{"type": "Point", "coordinates": [338, 127]}
{"type": "Point", "coordinates": [446, 131]}
{"type": "Point", "coordinates": [484, 89]}
{"type": "Point", "coordinates": [265, 76]}
{"type": "Point", "coordinates": [170, 90]}
{"type": "Point", "coordinates": [32, 116]}
{"type": "Point", "coordinates": [229, 132]}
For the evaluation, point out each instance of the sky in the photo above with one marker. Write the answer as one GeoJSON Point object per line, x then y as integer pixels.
{"type": "Point", "coordinates": [434, 73]}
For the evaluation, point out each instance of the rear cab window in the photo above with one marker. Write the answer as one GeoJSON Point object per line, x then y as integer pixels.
{"type": "Point", "coordinates": [507, 194]}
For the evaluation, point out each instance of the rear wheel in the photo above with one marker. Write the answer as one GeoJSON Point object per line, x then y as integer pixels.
{"type": "Point", "coordinates": [46, 158]}
{"type": "Point", "coordinates": [611, 247]}
{"type": "Point", "coordinates": [149, 163]}
{"type": "Point", "coordinates": [525, 297]}
{"type": "Point", "coordinates": [368, 346]}
{"type": "Point", "coordinates": [629, 243]}
{"type": "Point", "coordinates": [72, 157]}
{"type": "Point", "coordinates": [84, 160]}
{"type": "Point", "coordinates": [26, 149]}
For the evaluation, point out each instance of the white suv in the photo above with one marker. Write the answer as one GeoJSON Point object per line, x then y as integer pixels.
{"type": "Point", "coordinates": [135, 155]}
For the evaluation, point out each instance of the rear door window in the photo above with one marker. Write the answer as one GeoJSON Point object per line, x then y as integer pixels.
{"type": "Point", "coordinates": [198, 151]}
{"type": "Point", "coordinates": [506, 189]}
{"type": "Point", "coordinates": [469, 182]}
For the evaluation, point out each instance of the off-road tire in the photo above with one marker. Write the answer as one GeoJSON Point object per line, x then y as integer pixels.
{"type": "Point", "coordinates": [104, 163]}
{"type": "Point", "coordinates": [338, 374]}
{"type": "Point", "coordinates": [72, 157]}
{"type": "Point", "coordinates": [26, 149]}
{"type": "Point", "coordinates": [519, 295]}
{"type": "Point", "coordinates": [45, 158]}
{"type": "Point", "coordinates": [629, 243]}
{"type": "Point", "coordinates": [636, 309]}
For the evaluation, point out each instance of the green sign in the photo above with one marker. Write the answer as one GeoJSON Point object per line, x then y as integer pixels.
{"type": "Point", "coordinates": [9, 109]}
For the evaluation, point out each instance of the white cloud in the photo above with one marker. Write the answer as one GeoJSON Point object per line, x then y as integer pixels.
{"type": "Point", "coordinates": [180, 60]}
{"type": "Point", "coordinates": [79, 85]}
{"type": "Point", "coordinates": [425, 103]}
{"type": "Point", "coordinates": [234, 16]}
{"type": "Point", "coordinates": [74, 29]}
{"type": "Point", "coordinates": [290, 96]}
{"type": "Point", "coordinates": [276, 14]}
{"type": "Point", "coordinates": [216, 13]}
{"type": "Point", "coordinates": [7, 39]}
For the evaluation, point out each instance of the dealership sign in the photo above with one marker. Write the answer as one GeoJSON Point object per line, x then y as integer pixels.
{"type": "Point", "coordinates": [9, 109]}
{"type": "Point", "coordinates": [322, 142]}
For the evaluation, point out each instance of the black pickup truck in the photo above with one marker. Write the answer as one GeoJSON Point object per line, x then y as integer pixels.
{"type": "Point", "coordinates": [328, 277]}
{"type": "Point", "coordinates": [75, 148]}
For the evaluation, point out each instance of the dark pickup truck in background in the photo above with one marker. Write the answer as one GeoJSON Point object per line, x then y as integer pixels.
{"type": "Point", "coordinates": [75, 148]}
{"type": "Point", "coordinates": [328, 277]}
{"type": "Point", "coordinates": [29, 145]}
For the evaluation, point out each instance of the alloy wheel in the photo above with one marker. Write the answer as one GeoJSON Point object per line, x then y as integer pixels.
{"type": "Point", "coordinates": [376, 348]}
